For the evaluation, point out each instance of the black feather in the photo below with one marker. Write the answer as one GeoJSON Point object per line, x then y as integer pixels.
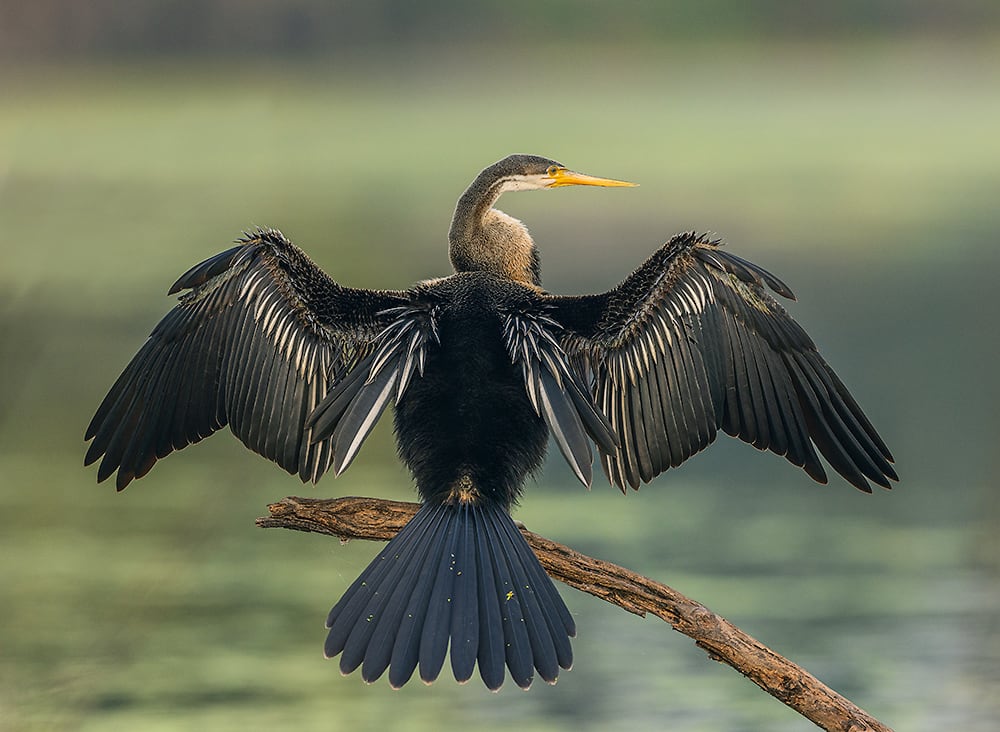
{"type": "Point", "coordinates": [562, 418]}
{"type": "Point", "coordinates": [725, 359]}
{"type": "Point", "coordinates": [465, 611]}
{"type": "Point", "coordinates": [490, 657]}
{"type": "Point", "coordinates": [201, 273]}
{"type": "Point", "coordinates": [228, 354]}
{"type": "Point", "coordinates": [459, 575]}
{"type": "Point", "coordinates": [517, 646]}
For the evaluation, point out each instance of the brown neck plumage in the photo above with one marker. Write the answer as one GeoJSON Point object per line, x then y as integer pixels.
{"type": "Point", "coordinates": [483, 239]}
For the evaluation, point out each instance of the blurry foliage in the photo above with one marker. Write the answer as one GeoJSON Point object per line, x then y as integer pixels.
{"type": "Point", "coordinates": [59, 28]}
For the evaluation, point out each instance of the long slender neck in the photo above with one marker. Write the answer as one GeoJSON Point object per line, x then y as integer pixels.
{"type": "Point", "coordinates": [483, 239]}
{"type": "Point", "coordinates": [472, 206]}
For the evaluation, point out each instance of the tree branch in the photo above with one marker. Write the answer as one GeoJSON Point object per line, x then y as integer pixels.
{"type": "Point", "coordinates": [372, 518]}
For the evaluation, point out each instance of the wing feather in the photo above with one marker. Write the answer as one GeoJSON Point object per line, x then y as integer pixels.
{"type": "Point", "coordinates": [255, 342]}
{"type": "Point", "coordinates": [556, 391]}
{"type": "Point", "coordinates": [349, 412]}
{"type": "Point", "coordinates": [691, 343]}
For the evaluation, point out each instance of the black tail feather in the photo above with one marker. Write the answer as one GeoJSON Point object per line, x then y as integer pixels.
{"type": "Point", "coordinates": [490, 653]}
{"type": "Point", "coordinates": [465, 612]}
{"type": "Point", "coordinates": [517, 647]}
{"type": "Point", "coordinates": [461, 576]}
{"type": "Point", "coordinates": [371, 636]}
{"type": "Point", "coordinates": [542, 647]}
{"type": "Point", "coordinates": [560, 623]}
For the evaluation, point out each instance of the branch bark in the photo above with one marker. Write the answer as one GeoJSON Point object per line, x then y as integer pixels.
{"type": "Point", "coordinates": [372, 518]}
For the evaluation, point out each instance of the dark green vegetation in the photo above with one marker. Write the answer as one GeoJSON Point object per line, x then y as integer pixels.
{"type": "Point", "coordinates": [867, 178]}
{"type": "Point", "coordinates": [305, 28]}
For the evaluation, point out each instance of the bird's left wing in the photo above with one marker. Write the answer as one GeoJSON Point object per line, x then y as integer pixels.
{"type": "Point", "coordinates": [691, 343]}
{"type": "Point", "coordinates": [256, 342]}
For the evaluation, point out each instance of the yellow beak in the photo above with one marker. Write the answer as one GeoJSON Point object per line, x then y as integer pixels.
{"type": "Point", "coordinates": [566, 177]}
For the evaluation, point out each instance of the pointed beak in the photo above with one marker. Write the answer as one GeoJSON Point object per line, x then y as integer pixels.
{"type": "Point", "coordinates": [565, 177]}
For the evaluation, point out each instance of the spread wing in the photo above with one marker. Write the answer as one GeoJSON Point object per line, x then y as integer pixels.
{"type": "Point", "coordinates": [255, 343]}
{"type": "Point", "coordinates": [691, 343]}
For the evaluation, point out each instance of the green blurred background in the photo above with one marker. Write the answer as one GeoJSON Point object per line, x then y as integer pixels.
{"type": "Point", "coordinates": [852, 148]}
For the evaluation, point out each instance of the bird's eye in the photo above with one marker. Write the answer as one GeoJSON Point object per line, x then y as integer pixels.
{"type": "Point", "coordinates": [553, 169]}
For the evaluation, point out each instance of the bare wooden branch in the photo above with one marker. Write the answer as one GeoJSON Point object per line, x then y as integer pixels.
{"type": "Point", "coordinates": [372, 518]}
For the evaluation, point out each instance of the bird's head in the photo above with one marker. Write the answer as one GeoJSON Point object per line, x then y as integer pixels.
{"type": "Point", "coordinates": [485, 239]}
{"type": "Point", "coordinates": [533, 172]}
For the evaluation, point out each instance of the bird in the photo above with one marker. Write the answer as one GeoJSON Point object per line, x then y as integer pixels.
{"type": "Point", "coordinates": [481, 367]}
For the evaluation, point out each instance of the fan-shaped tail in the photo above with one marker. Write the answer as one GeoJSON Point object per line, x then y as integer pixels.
{"type": "Point", "coordinates": [461, 575]}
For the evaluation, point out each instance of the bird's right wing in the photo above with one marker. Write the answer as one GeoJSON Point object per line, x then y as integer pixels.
{"type": "Point", "coordinates": [256, 343]}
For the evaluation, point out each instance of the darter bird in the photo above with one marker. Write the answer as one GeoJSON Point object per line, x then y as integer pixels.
{"type": "Point", "coordinates": [481, 367]}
